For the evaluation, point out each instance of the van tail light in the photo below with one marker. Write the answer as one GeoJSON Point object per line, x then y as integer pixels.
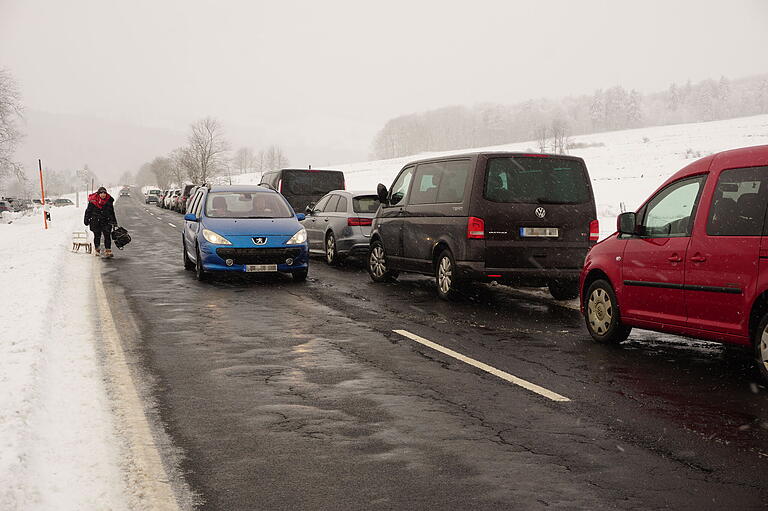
{"type": "Point", "coordinates": [594, 230]}
{"type": "Point", "coordinates": [475, 228]}
{"type": "Point", "coordinates": [354, 221]}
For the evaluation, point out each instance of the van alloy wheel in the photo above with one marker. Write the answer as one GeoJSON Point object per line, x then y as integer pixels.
{"type": "Point", "coordinates": [377, 262]}
{"type": "Point", "coordinates": [445, 275]}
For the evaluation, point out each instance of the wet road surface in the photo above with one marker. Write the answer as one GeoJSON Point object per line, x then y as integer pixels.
{"type": "Point", "coordinates": [279, 395]}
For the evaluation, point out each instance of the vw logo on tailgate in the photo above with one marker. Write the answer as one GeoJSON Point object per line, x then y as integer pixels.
{"type": "Point", "coordinates": [260, 241]}
{"type": "Point", "coordinates": [541, 212]}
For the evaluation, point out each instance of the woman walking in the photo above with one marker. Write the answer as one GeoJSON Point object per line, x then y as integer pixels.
{"type": "Point", "coordinates": [100, 216]}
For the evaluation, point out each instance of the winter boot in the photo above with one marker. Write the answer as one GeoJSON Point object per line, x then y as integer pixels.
{"type": "Point", "coordinates": [108, 253]}
{"type": "Point", "coordinates": [97, 252]}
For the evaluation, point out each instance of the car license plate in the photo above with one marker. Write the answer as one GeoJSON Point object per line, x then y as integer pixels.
{"type": "Point", "coordinates": [260, 267]}
{"type": "Point", "coordinates": [539, 232]}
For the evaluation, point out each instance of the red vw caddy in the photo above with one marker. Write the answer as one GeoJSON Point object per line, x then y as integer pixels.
{"type": "Point", "coordinates": [693, 260]}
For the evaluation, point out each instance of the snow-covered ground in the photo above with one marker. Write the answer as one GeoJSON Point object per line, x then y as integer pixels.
{"type": "Point", "coordinates": [62, 438]}
{"type": "Point", "coordinates": [625, 166]}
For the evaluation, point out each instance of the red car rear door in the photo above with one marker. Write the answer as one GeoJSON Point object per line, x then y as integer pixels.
{"type": "Point", "coordinates": [723, 257]}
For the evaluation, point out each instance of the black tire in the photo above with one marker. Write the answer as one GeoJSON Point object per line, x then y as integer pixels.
{"type": "Point", "coordinates": [761, 347]}
{"type": "Point", "coordinates": [563, 289]}
{"type": "Point", "coordinates": [601, 313]}
{"type": "Point", "coordinates": [378, 267]}
{"type": "Point", "coordinates": [300, 275]}
{"type": "Point", "coordinates": [331, 256]}
{"type": "Point", "coordinates": [200, 273]}
{"type": "Point", "coordinates": [446, 277]}
{"type": "Point", "coordinates": [188, 264]}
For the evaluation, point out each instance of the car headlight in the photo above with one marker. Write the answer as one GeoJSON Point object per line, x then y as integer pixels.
{"type": "Point", "coordinates": [298, 238]}
{"type": "Point", "coordinates": [212, 237]}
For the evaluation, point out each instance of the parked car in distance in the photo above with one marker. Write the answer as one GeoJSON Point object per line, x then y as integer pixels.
{"type": "Point", "coordinates": [152, 195]}
{"type": "Point", "coordinates": [5, 206]}
{"type": "Point", "coordinates": [186, 193]}
{"type": "Point", "coordinates": [303, 186]}
{"type": "Point", "coordinates": [691, 261]}
{"type": "Point", "coordinates": [248, 229]}
{"type": "Point", "coordinates": [170, 197]}
{"type": "Point", "coordinates": [339, 225]}
{"type": "Point", "coordinates": [37, 202]}
{"type": "Point", "coordinates": [516, 218]}
{"type": "Point", "coordinates": [161, 198]}
{"type": "Point", "coordinates": [125, 192]}
{"type": "Point", "coordinates": [63, 202]}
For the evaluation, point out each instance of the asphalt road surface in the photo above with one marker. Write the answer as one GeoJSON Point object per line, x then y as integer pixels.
{"type": "Point", "coordinates": [280, 395]}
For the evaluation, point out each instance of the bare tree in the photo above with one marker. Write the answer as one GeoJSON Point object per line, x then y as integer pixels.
{"type": "Point", "coordinates": [541, 134]}
{"type": "Point", "coordinates": [205, 155]}
{"type": "Point", "coordinates": [244, 160]}
{"type": "Point", "coordinates": [162, 168]}
{"type": "Point", "coordinates": [181, 165]}
{"type": "Point", "coordinates": [10, 135]}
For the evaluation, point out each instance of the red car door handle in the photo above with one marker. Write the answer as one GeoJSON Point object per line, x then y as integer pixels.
{"type": "Point", "coordinates": [675, 259]}
{"type": "Point", "coordinates": [698, 258]}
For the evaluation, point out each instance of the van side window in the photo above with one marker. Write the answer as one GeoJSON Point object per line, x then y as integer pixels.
{"type": "Point", "coordinates": [671, 212]}
{"type": "Point", "coordinates": [400, 187]}
{"type": "Point", "coordinates": [739, 203]}
{"type": "Point", "coordinates": [440, 182]}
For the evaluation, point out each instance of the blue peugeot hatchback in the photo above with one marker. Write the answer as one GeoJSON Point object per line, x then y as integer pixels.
{"type": "Point", "coordinates": [243, 229]}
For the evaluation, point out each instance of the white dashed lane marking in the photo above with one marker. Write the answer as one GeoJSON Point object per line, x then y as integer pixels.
{"type": "Point", "coordinates": [485, 367]}
{"type": "Point", "coordinates": [169, 223]}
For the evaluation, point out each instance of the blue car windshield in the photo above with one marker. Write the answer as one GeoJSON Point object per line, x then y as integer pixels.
{"type": "Point", "coordinates": [246, 205]}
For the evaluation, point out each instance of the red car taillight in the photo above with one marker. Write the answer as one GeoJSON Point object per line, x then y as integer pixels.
{"type": "Point", "coordinates": [594, 230]}
{"type": "Point", "coordinates": [475, 228]}
{"type": "Point", "coordinates": [354, 221]}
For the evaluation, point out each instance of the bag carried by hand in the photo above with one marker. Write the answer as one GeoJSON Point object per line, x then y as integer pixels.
{"type": "Point", "coordinates": [121, 237]}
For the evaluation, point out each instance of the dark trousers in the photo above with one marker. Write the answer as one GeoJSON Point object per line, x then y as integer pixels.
{"type": "Point", "coordinates": [97, 238]}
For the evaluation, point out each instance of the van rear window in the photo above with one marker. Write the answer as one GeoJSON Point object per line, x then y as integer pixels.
{"type": "Point", "coordinates": [315, 182]}
{"type": "Point", "coordinates": [534, 180]}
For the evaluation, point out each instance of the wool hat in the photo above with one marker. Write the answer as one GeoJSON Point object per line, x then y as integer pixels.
{"type": "Point", "coordinates": [101, 189]}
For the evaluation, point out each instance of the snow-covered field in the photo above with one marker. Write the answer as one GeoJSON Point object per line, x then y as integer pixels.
{"type": "Point", "coordinates": [625, 166]}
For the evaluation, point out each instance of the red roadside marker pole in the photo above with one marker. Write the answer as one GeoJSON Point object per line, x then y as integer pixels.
{"type": "Point", "coordinates": [42, 192]}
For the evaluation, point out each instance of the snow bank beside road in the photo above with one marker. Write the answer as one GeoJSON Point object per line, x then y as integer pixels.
{"type": "Point", "coordinates": [58, 446]}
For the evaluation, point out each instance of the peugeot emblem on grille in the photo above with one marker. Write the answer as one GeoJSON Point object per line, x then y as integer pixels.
{"type": "Point", "coordinates": [260, 241]}
{"type": "Point", "coordinates": [541, 212]}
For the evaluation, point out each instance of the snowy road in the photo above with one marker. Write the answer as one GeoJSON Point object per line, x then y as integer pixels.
{"type": "Point", "coordinates": [277, 395]}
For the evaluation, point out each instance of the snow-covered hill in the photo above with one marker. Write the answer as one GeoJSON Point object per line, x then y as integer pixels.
{"type": "Point", "coordinates": [625, 166]}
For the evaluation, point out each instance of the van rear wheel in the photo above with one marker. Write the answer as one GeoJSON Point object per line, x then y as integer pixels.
{"type": "Point", "coordinates": [566, 289]}
{"type": "Point", "coordinates": [601, 313]}
{"type": "Point", "coordinates": [446, 277]}
{"type": "Point", "coordinates": [761, 347]}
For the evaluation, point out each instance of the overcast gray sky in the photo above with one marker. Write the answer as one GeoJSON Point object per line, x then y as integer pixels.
{"type": "Point", "coordinates": [325, 73]}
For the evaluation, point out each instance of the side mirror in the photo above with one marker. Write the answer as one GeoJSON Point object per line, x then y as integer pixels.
{"type": "Point", "coordinates": [190, 217]}
{"type": "Point", "coordinates": [382, 192]}
{"type": "Point", "coordinates": [300, 216]}
{"type": "Point", "coordinates": [310, 209]}
{"type": "Point", "coordinates": [627, 223]}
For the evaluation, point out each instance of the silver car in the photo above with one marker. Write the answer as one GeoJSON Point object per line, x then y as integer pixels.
{"type": "Point", "coordinates": [339, 224]}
